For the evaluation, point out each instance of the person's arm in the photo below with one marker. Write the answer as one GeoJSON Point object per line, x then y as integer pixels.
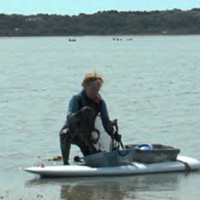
{"type": "Point", "coordinates": [108, 125]}
{"type": "Point", "coordinates": [72, 110]}
{"type": "Point", "coordinates": [105, 119]}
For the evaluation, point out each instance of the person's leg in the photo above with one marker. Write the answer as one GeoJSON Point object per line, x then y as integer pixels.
{"type": "Point", "coordinates": [87, 144]}
{"type": "Point", "coordinates": [65, 144]}
{"type": "Point", "coordinates": [85, 150]}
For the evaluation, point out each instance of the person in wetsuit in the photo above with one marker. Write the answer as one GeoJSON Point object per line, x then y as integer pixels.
{"type": "Point", "coordinates": [82, 111]}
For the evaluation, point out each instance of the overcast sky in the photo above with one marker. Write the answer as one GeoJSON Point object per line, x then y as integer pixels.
{"type": "Point", "coordinates": [74, 7]}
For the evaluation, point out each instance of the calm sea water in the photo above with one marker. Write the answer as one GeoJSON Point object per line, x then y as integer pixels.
{"type": "Point", "coordinates": [151, 87]}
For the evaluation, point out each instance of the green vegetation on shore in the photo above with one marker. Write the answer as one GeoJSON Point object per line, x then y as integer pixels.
{"type": "Point", "coordinates": [102, 23]}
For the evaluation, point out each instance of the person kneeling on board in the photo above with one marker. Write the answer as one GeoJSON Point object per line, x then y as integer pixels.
{"type": "Point", "coordinates": [83, 110]}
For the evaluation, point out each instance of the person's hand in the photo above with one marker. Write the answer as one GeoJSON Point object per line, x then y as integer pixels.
{"type": "Point", "coordinates": [117, 137]}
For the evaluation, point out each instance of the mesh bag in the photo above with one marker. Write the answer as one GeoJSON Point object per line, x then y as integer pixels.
{"type": "Point", "coordinates": [105, 143]}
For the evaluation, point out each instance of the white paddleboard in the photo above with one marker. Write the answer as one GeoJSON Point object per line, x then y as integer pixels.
{"type": "Point", "coordinates": [183, 163]}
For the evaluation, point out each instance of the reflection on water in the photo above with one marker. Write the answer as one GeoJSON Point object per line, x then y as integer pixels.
{"type": "Point", "coordinates": [113, 188]}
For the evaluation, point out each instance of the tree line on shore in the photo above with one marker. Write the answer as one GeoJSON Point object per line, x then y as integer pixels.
{"type": "Point", "coordinates": [102, 23]}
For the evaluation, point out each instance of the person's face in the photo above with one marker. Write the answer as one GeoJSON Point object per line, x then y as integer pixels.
{"type": "Point", "coordinates": [92, 89]}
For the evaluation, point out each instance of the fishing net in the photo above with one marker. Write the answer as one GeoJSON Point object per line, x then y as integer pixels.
{"type": "Point", "coordinates": [104, 143]}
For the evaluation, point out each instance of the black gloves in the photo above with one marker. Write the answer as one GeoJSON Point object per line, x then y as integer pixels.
{"type": "Point", "coordinates": [117, 137]}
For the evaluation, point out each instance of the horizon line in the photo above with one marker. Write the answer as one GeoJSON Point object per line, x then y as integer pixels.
{"type": "Point", "coordinates": [62, 14]}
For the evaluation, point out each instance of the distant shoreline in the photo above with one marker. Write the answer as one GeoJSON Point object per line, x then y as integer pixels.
{"type": "Point", "coordinates": [68, 36]}
{"type": "Point", "coordinates": [107, 23]}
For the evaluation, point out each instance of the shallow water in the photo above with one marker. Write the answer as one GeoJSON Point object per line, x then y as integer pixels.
{"type": "Point", "coordinates": [151, 87]}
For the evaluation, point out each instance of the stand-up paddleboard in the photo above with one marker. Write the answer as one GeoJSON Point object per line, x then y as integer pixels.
{"type": "Point", "coordinates": [182, 164]}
